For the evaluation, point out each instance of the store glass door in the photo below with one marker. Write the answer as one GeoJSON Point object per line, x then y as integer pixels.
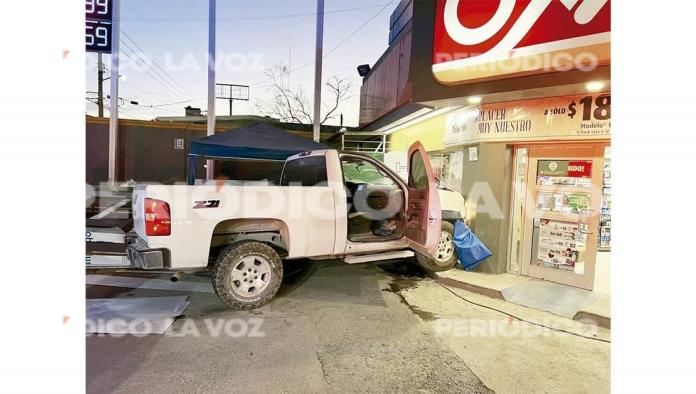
{"type": "Point", "coordinates": [561, 220]}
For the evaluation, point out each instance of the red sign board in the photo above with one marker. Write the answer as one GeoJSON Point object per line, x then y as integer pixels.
{"type": "Point", "coordinates": [483, 39]}
{"type": "Point", "coordinates": [580, 169]}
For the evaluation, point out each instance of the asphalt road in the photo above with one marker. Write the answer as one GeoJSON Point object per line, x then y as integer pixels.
{"type": "Point", "coordinates": [332, 328]}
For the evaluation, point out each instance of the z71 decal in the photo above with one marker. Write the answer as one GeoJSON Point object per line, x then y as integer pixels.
{"type": "Point", "coordinates": [207, 204]}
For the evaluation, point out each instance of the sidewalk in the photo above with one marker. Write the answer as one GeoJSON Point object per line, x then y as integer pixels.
{"type": "Point", "coordinates": [562, 300]}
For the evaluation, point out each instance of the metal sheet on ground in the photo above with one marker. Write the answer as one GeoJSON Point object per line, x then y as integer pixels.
{"type": "Point", "coordinates": [145, 283]}
{"type": "Point", "coordinates": [549, 296]}
{"type": "Point", "coordinates": [135, 316]}
{"type": "Point", "coordinates": [97, 234]}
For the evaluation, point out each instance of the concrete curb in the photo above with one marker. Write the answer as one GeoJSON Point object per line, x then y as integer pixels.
{"type": "Point", "coordinates": [582, 315]}
{"type": "Point", "coordinates": [492, 293]}
{"type": "Point", "coordinates": [602, 321]}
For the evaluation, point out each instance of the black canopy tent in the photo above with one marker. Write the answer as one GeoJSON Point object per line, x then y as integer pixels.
{"type": "Point", "coordinates": [255, 141]}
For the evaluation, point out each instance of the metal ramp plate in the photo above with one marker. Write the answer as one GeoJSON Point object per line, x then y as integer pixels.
{"type": "Point", "coordinates": [366, 258]}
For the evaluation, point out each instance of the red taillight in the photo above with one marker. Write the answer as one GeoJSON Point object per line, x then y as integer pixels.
{"type": "Point", "coordinates": [157, 217]}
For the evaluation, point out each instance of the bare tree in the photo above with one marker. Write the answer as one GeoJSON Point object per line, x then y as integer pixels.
{"type": "Point", "coordinates": [291, 104]}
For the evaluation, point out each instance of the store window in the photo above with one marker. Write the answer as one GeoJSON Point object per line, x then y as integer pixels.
{"type": "Point", "coordinates": [559, 244]}
{"type": "Point", "coordinates": [448, 167]}
{"type": "Point", "coordinates": [561, 202]}
{"type": "Point", "coordinates": [576, 173]}
{"type": "Point", "coordinates": [605, 214]}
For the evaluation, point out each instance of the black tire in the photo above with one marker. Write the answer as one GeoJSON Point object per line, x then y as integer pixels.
{"type": "Point", "coordinates": [228, 289]}
{"type": "Point", "coordinates": [434, 265]}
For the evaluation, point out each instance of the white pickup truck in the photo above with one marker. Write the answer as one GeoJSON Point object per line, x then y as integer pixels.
{"type": "Point", "coordinates": [328, 205]}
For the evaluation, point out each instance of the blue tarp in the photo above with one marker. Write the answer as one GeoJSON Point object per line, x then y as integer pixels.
{"type": "Point", "coordinates": [256, 141]}
{"type": "Point", "coordinates": [470, 250]}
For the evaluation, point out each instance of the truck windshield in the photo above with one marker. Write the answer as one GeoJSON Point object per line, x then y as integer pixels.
{"type": "Point", "coordinates": [362, 171]}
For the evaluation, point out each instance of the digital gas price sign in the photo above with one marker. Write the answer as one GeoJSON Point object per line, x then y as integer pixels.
{"type": "Point", "coordinates": [98, 18]}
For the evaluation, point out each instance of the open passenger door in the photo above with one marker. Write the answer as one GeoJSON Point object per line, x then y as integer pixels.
{"type": "Point", "coordinates": [423, 211]}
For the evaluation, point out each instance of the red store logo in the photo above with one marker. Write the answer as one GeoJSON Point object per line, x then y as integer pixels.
{"type": "Point", "coordinates": [484, 39]}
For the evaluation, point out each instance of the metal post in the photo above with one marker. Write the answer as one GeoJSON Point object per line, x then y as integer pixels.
{"type": "Point", "coordinates": [100, 84]}
{"type": "Point", "coordinates": [113, 104]}
{"type": "Point", "coordinates": [317, 69]}
{"type": "Point", "coordinates": [209, 173]}
{"type": "Point", "coordinates": [231, 101]}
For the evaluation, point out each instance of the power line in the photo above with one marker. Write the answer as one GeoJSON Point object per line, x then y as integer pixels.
{"type": "Point", "coordinates": [332, 50]}
{"type": "Point", "coordinates": [282, 16]}
{"type": "Point", "coordinates": [120, 110]}
{"type": "Point", "coordinates": [161, 80]}
{"type": "Point", "coordinates": [358, 29]}
{"type": "Point", "coordinates": [156, 102]}
{"type": "Point", "coordinates": [156, 64]}
{"type": "Point", "coordinates": [180, 102]}
{"type": "Point", "coordinates": [136, 108]}
{"type": "Point", "coordinates": [133, 55]}
{"type": "Point", "coordinates": [141, 105]}
{"type": "Point", "coordinates": [144, 93]}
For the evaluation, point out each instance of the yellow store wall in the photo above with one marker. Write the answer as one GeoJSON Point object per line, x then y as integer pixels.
{"type": "Point", "coordinates": [430, 132]}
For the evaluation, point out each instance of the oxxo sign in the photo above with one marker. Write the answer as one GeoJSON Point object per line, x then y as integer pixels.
{"type": "Point", "coordinates": [477, 40]}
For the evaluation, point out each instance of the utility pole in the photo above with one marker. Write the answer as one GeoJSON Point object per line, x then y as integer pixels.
{"type": "Point", "coordinates": [113, 119]}
{"type": "Point", "coordinates": [210, 173]}
{"type": "Point", "coordinates": [317, 69]}
{"type": "Point", "coordinates": [100, 83]}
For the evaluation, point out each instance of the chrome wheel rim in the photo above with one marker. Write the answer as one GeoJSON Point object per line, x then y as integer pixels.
{"type": "Point", "coordinates": [250, 276]}
{"type": "Point", "coordinates": [445, 248]}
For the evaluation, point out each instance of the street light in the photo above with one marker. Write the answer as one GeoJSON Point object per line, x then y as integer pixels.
{"type": "Point", "coordinates": [121, 77]}
{"type": "Point", "coordinates": [363, 70]}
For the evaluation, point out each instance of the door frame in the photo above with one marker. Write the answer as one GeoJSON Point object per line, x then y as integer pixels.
{"type": "Point", "coordinates": [562, 151]}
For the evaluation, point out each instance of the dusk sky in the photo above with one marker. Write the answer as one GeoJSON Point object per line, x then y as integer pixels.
{"type": "Point", "coordinates": [252, 36]}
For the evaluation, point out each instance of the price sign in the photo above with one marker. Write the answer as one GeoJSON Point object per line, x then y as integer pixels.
{"type": "Point", "coordinates": [592, 108]}
{"type": "Point", "coordinates": [98, 36]}
{"type": "Point", "coordinates": [98, 17]}
{"type": "Point", "coordinates": [98, 9]}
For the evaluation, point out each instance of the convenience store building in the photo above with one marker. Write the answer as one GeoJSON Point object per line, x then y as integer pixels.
{"type": "Point", "coordinates": [514, 106]}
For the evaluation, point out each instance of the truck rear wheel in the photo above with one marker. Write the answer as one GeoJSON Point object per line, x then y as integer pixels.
{"type": "Point", "coordinates": [446, 255]}
{"type": "Point", "coordinates": [247, 275]}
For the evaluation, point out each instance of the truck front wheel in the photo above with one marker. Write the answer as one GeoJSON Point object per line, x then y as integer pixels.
{"type": "Point", "coordinates": [446, 256]}
{"type": "Point", "coordinates": [247, 275]}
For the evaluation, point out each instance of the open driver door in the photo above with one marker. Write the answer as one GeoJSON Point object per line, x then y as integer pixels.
{"type": "Point", "coordinates": [423, 211]}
